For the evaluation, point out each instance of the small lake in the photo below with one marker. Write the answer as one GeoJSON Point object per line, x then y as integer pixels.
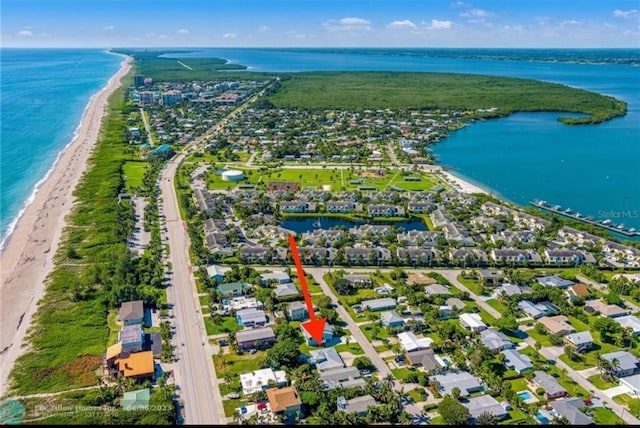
{"type": "Point", "coordinates": [308, 224]}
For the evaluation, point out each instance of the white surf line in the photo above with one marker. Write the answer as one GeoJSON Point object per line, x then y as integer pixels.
{"type": "Point", "coordinates": [184, 65]}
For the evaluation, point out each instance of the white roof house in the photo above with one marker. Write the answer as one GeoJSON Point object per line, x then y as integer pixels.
{"type": "Point", "coordinates": [472, 322]}
{"type": "Point", "coordinates": [629, 321]}
{"type": "Point", "coordinates": [410, 342]}
{"type": "Point", "coordinates": [253, 382]}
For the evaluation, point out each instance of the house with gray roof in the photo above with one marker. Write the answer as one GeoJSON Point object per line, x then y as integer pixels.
{"type": "Point", "coordinates": [630, 321]}
{"type": "Point", "coordinates": [581, 340]}
{"type": "Point", "coordinates": [627, 363]}
{"type": "Point", "coordinates": [552, 389]}
{"type": "Point", "coordinates": [464, 381]}
{"type": "Point", "coordinates": [379, 304]}
{"type": "Point", "coordinates": [277, 277]}
{"type": "Point", "coordinates": [359, 405]}
{"type": "Point", "coordinates": [514, 360]}
{"type": "Point", "coordinates": [391, 319]}
{"type": "Point", "coordinates": [131, 312]}
{"type": "Point", "coordinates": [233, 289]}
{"type": "Point", "coordinates": [286, 290]}
{"type": "Point", "coordinates": [536, 310]}
{"type": "Point", "coordinates": [297, 311]}
{"type": "Point", "coordinates": [455, 303]}
{"type": "Point", "coordinates": [570, 409]}
{"type": "Point", "coordinates": [338, 377]}
{"type": "Point", "coordinates": [490, 276]}
{"type": "Point", "coordinates": [485, 404]}
{"type": "Point", "coordinates": [495, 341]}
{"type": "Point", "coordinates": [251, 317]}
{"type": "Point", "coordinates": [437, 290]}
{"type": "Point", "coordinates": [358, 280]}
{"type": "Point", "coordinates": [426, 359]}
{"type": "Point", "coordinates": [326, 359]}
{"type": "Point", "coordinates": [132, 338]}
{"type": "Point", "coordinates": [554, 281]}
{"type": "Point", "coordinates": [512, 290]}
{"type": "Point", "coordinates": [258, 338]}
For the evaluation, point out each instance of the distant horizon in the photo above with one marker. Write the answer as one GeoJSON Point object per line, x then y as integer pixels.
{"type": "Point", "coordinates": [546, 24]}
{"type": "Point", "coordinates": [159, 48]}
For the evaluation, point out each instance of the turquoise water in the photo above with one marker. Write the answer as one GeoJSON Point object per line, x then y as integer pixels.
{"type": "Point", "coordinates": [525, 395]}
{"type": "Point", "coordinates": [44, 94]}
{"type": "Point", "coordinates": [592, 169]}
{"type": "Point", "coordinates": [542, 419]}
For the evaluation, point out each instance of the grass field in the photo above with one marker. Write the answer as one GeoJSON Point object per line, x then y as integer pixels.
{"type": "Point", "coordinates": [334, 178]}
{"type": "Point", "coordinates": [472, 284]}
{"type": "Point", "coordinates": [232, 364]}
{"type": "Point", "coordinates": [597, 381]}
{"type": "Point", "coordinates": [604, 416]}
{"type": "Point", "coordinates": [228, 325]}
{"type": "Point", "coordinates": [360, 90]}
{"type": "Point", "coordinates": [354, 348]}
{"type": "Point", "coordinates": [134, 173]}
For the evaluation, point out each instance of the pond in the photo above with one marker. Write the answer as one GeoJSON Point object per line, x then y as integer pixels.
{"type": "Point", "coordinates": [304, 224]}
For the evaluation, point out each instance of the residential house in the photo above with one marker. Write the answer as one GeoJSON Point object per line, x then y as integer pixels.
{"type": "Point", "coordinates": [577, 290]}
{"type": "Point", "coordinates": [514, 256]}
{"type": "Point", "coordinates": [131, 337]}
{"type": "Point", "coordinates": [217, 272]}
{"type": "Point", "coordinates": [251, 317]}
{"type": "Point", "coordinates": [490, 276]}
{"type": "Point", "coordinates": [514, 360]}
{"type": "Point", "coordinates": [629, 321]}
{"type": "Point", "coordinates": [484, 404]}
{"type": "Point", "coordinates": [297, 206]}
{"type": "Point", "coordinates": [419, 279]}
{"type": "Point", "coordinates": [509, 290]}
{"type": "Point", "coordinates": [633, 385]}
{"type": "Point", "coordinates": [536, 310]}
{"type": "Point", "coordinates": [440, 217]}
{"type": "Point", "coordinates": [379, 304]}
{"type": "Point", "coordinates": [626, 363]}
{"type": "Point", "coordinates": [327, 335]}
{"type": "Point", "coordinates": [384, 210]}
{"type": "Point", "coordinates": [343, 207]}
{"type": "Point", "coordinates": [391, 319]}
{"type": "Point", "coordinates": [464, 381]}
{"type": "Point", "coordinates": [258, 338]}
{"type": "Point", "coordinates": [472, 322]}
{"type": "Point", "coordinates": [527, 221]}
{"type": "Point", "coordinates": [283, 291]}
{"type": "Point", "coordinates": [239, 303]}
{"type": "Point", "coordinates": [297, 311]}
{"type": "Point", "coordinates": [361, 255]}
{"type": "Point", "coordinates": [570, 409]}
{"type": "Point", "coordinates": [456, 234]}
{"type": "Point", "coordinates": [131, 312]}
{"type": "Point", "coordinates": [359, 281]}
{"type": "Point", "coordinates": [437, 290]}
{"type": "Point", "coordinates": [455, 304]}
{"type": "Point", "coordinates": [346, 378]}
{"type": "Point", "coordinates": [416, 207]}
{"type": "Point", "coordinates": [112, 354]}
{"type": "Point", "coordinates": [558, 324]}
{"type": "Point", "coordinates": [604, 309]}
{"type": "Point", "coordinates": [326, 359]}
{"type": "Point", "coordinates": [359, 405]}
{"type": "Point", "coordinates": [262, 379]}
{"type": "Point", "coordinates": [581, 341]}
{"type": "Point", "coordinates": [284, 401]}
{"type": "Point", "coordinates": [552, 389]}
{"type": "Point", "coordinates": [409, 341]}
{"type": "Point", "coordinates": [554, 281]}
{"type": "Point", "coordinates": [138, 366]}
{"type": "Point", "coordinates": [233, 289]}
{"type": "Point", "coordinates": [255, 254]}
{"type": "Point", "coordinates": [278, 277]}
{"type": "Point", "coordinates": [567, 257]}
{"type": "Point", "coordinates": [414, 255]}
{"type": "Point", "coordinates": [427, 359]}
{"type": "Point", "coordinates": [495, 341]}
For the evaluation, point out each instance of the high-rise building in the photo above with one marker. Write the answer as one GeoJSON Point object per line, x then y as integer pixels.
{"type": "Point", "coordinates": [171, 98]}
{"type": "Point", "coordinates": [138, 80]}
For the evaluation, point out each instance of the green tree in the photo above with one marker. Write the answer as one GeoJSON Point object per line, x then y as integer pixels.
{"type": "Point", "coordinates": [283, 354]}
{"type": "Point", "coordinates": [452, 412]}
{"type": "Point", "coordinates": [362, 362]}
{"type": "Point", "coordinates": [486, 418]}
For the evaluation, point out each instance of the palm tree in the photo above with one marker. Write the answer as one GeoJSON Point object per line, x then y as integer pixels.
{"type": "Point", "coordinates": [486, 418]}
{"type": "Point", "coordinates": [389, 380]}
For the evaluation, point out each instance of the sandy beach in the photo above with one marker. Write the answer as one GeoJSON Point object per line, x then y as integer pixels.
{"type": "Point", "coordinates": [462, 185]}
{"type": "Point", "coordinates": [27, 258]}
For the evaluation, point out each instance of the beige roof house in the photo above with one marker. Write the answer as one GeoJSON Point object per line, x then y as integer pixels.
{"type": "Point", "coordinates": [558, 324]}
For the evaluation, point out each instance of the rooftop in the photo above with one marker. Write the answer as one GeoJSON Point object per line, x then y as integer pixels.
{"type": "Point", "coordinates": [283, 398]}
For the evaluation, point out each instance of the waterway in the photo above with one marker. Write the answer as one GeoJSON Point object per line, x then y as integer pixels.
{"type": "Point", "coordinates": [308, 223]}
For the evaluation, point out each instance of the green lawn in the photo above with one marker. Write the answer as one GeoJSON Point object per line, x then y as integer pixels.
{"type": "Point", "coordinates": [577, 324]}
{"type": "Point", "coordinates": [496, 305]}
{"type": "Point", "coordinates": [228, 325]}
{"type": "Point", "coordinates": [416, 396]}
{"type": "Point", "coordinates": [542, 339]}
{"type": "Point", "coordinates": [231, 364]}
{"type": "Point", "coordinates": [582, 364]}
{"type": "Point", "coordinates": [436, 421]}
{"type": "Point", "coordinates": [633, 404]}
{"type": "Point", "coordinates": [401, 374]}
{"type": "Point", "coordinates": [599, 383]}
{"type": "Point", "coordinates": [519, 384]}
{"type": "Point", "coordinates": [367, 329]}
{"type": "Point", "coordinates": [517, 416]}
{"type": "Point", "coordinates": [114, 327]}
{"type": "Point", "coordinates": [231, 405]}
{"type": "Point", "coordinates": [603, 416]}
{"type": "Point", "coordinates": [568, 383]}
{"type": "Point", "coordinates": [134, 173]}
{"type": "Point", "coordinates": [472, 284]}
{"type": "Point", "coordinates": [354, 348]}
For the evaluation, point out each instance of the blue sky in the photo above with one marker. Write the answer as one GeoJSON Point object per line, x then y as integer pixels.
{"type": "Point", "coordinates": [311, 23]}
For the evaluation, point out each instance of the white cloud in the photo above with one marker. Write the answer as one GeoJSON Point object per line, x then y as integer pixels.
{"type": "Point", "coordinates": [229, 35]}
{"type": "Point", "coordinates": [348, 24]}
{"type": "Point", "coordinates": [184, 31]}
{"type": "Point", "coordinates": [458, 4]}
{"type": "Point", "coordinates": [402, 24]}
{"type": "Point", "coordinates": [476, 13]}
{"type": "Point", "coordinates": [438, 25]}
{"type": "Point", "coordinates": [163, 36]}
{"type": "Point", "coordinates": [109, 27]}
{"type": "Point", "coordinates": [624, 13]}
{"type": "Point", "coordinates": [264, 29]}
{"type": "Point", "coordinates": [570, 22]}
{"type": "Point", "coordinates": [25, 33]}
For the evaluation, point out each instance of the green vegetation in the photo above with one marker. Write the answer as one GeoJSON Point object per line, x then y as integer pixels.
{"type": "Point", "coordinates": [394, 90]}
{"type": "Point", "coordinates": [134, 173]}
{"type": "Point", "coordinates": [633, 404]}
{"type": "Point", "coordinates": [604, 416]}
{"type": "Point", "coordinates": [231, 364]}
{"type": "Point", "coordinates": [599, 383]}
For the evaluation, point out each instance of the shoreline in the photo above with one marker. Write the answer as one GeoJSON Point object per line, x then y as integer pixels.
{"type": "Point", "coordinates": [26, 256]}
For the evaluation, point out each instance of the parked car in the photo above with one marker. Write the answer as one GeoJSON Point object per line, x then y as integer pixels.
{"type": "Point", "coordinates": [253, 351]}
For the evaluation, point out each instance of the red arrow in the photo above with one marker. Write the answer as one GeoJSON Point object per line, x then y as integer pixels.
{"type": "Point", "coordinates": [315, 326]}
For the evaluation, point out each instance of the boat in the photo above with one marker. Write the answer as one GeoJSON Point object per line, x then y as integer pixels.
{"type": "Point", "coordinates": [568, 211]}
{"type": "Point", "coordinates": [317, 224]}
{"type": "Point", "coordinates": [621, 226]}
{"type": "Point", "coordinates": [632, 229]}
{"type": "Point", "coordinates": [578, 215]}
{"type": "Point", "coordinates": [607, 222]}
{"type": "Point", "coordinates": [589, 218]}
{"type": "Point", "coordinates": [556, 207]}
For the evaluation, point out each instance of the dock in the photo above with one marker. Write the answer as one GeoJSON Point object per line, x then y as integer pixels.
{"type": "Point", "coordinates": [557, 209]}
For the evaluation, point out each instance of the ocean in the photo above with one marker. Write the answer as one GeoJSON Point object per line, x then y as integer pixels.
{"type": "Point", "coordinates": [592, 169]}
{"type": "Point", "coordinates": [44, 95]}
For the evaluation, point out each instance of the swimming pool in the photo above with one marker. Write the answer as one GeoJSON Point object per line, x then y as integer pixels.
{"type": "Point", "coordinates": [525, 395]}
{"type": "Point", "coordinates": [446, 361]}
{"type": "Point", "coordinates": [542, 418]}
